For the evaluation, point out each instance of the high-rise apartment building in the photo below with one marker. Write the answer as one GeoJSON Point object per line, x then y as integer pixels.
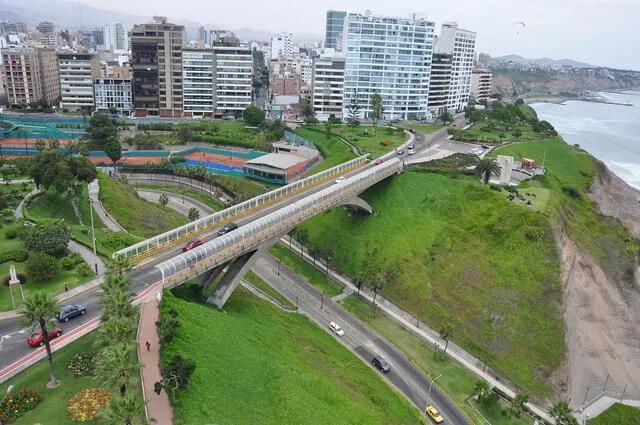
{"type": "Point", "coordinates": [282, 46]}
{"type": "Point", "coordinates": [439, 83]}
{"type": "Point", "coordinates": [48, 36]}
{"type": "Point", "coordinates": [31, 75]}
{"type": "Point", "coordinates": [328, 86]}
{"type": "Point", "coordinates": [77, 72]}
{"type": "Point", "coordinates": [116, 37]}
{"type": "Point", "coordinates": [216, 81]}
{"type": "Point", "coordinates": [481, 80]}
{"type": "Point", "coordinates": [156, 51]}
{"type": "Point", "coordinates": [335, 27]}
{"type": "Point", "coordinates": [390, 56]}
{"type": "Point", "coordinates": [113, 93]}
{"type": "Point", "coordinates": [461, 45]}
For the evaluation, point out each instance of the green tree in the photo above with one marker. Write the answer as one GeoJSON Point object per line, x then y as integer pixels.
{"type": "Point", "coordinates": [194, 214]}
{"type": "Point", "coordinates": [116, 368]}
{"type": "Point", "coordinates": [482, 389]}
{"type": "Point", "coordinates": [50, 236]}
{"type": "Point", "coordinates": [116, 283]}
{"type": "Point", "coordinates": [127, 410]}
{"type": "Point", "coordinates": [446, 333]}
{"type": "Point", "coordinates": [39, 308]}
{"type": "Point", "coordinates": [113, 149]}
{"type": "Point", "coordinates": [308, 112]}
{"type": "Point", "coordinates": [176, 375]}
{"type": "Point", "coordinates": [253, 116]}
{"type": "Point", "coordinates": [7, 174]}
{"type": "Point", "coordinates": [163, 200]}
{"type": "Point", "coordinates": [327, 130]}
{"type": "Point", "coordinates": [50, 170]}
{"type": "Point", "coordinates": [120, 265]}
{"type": "Point", "coordinates": [185, 135]}
{"type": "Point", "coordinates": [445, 116]}
{"type": "Point", "coordinates": [486, 168]}
{"type": "Point", "coordinates": [41, 267]}
{"type": "Point", "coordinates": [518, 404]}
{"type": "Point", "coordinates": [376, 115]}
{"type": "Point", "coordinates": [100, 128]}
{"type": "Point", "coordinates": [359, 280]}
{"type": "Point", "coordinates": [328, 254]}
{"type": "Point", "coordinates": [302, 238]}
{"type": "Point", "coordinates": [118, 331]}
{"type": "Point", "coordinates": [562, 412]}
{"type": "Point", "coordinates": [82, 169]}
{"type": "Point", "coordinates": [353, 111]}
{"type": "Point", "coordinates": [40, 145]}
{"type": "Point", "coordinates": [116, 304]}
{"type": "Point", "coordinates": [54, 143]}
{"type": "Point", "coordinates": [517, 133]}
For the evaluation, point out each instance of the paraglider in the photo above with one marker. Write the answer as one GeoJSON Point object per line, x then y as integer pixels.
{"type": "Point", "coordinates": [519, 26]}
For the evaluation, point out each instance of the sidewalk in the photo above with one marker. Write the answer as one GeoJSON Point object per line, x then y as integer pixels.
{"type": "Point", "coordinates": [158, 406]}
{"type": "Point", "coordinates": [110, 222]}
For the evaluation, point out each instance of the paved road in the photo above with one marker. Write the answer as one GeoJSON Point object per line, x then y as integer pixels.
{"type": "Point", "coordinates": [359, 338]}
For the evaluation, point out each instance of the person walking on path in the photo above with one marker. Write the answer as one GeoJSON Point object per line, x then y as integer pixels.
{"type": "Point", "coordinates": [148, 345]}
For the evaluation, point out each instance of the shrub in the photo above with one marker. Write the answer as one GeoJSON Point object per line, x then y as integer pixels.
{"type": "Point", "coordinates": [42, 267]}
{"type": "Point", "coordinates": [50, 236]}
{"type": "Point", "coordinates": [87, 404]}
{"type": "Point", "coordinates": [117, 240]}
{"type": "Point", "coordinates": [21, 277]}
{"type": "Point", "coordinates": [166, 327]}
{"type": "Point", "coordinates": [83, 364]}
{"type": "Point", "coordinates": [176, 375]}
{"type": "Point", "coordinates": [84, 270]}
{"type": "Point", "coordinates": [572, 192]}
{"type": "Point", "coordinates": [76, 258]}
{"type": "Point", "coordinates": [10, 232]}
{"type": "Point", "coordinates": [67, 263]}
{"type": "Point", "coordinates": [17, 255]}
{"type": "Point", "coordinates": [495, 187]}
{"type": "Point", "coordinates": [18, 403]}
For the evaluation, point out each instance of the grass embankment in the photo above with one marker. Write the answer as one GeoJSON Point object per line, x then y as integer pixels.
{"type": "Point", "coordinates": [262, 285]}
{"type": "Point", "coordinates": [139, 217]}
{"type": "Point", "coordinates": [333, 150]}
{"type": "Point", "coordinates": [386, 138]}
{"type": "Point", "coordinates": [425, 128]}
{"type": "Point", "coordinates": [457, 253]}
{"type": "Point", "coordinates": [306, 271]}
{"type": "Point", "coordinates": [618, 414]}
{"type": "Point", "coordinates": [454, 379]}
{"type": "Point", "coordinates": [259, 365]}
{"type": "Point", "coordinates": [210, 201]}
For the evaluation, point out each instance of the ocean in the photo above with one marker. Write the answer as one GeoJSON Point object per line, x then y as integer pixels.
{"type": "Point", "coordinates": [609, 132]}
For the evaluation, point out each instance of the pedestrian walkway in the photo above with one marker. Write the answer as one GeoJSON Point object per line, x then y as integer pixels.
{"type": "Point", "coordinates": [107, 219]}
{"type": "Point", "coordinates": [96, 263]}
{"type": "Point", "coordinates": [158, 407]}
{"type": "Point", "coordinates": [179, 203]}
{"type": "Point", "coordinates": [345, 293]}
{"type": "Point", "coordinates": [19, 213]}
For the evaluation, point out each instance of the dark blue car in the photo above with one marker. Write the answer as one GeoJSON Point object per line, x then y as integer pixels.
{"type": "Point", "coordinates": [70, 311]}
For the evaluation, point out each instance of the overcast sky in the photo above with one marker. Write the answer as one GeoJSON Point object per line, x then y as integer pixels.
{"type": "Point", "coordinates": [601, 32]}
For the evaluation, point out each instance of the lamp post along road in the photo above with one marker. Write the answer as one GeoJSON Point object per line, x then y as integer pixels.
{"type": "Point", "coordinates": [430, 386]}
{"type": "Point", "coordinates": [7, 393]}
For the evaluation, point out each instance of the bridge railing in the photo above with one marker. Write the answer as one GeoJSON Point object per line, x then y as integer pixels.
{"type": "Point", "coordinates": [184, 232]}
{"type": "Point", "coordinates": [213, 253]}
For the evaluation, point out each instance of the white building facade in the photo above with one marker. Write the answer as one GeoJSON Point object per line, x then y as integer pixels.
{"type": "Point", "coordinates": [113, 93]}
{"type": "Point", "coordinates": [77, 72]}
{"type": "Point", "coordinates": [390, 56]}
{"type": "Point", "coordinates": [328, 86]}
{"type": "Point", "coordinates": [116, 37]}
{"type": "Point", "coordinates": [197, 82]}
{"type": "Point", "coordinates": [461, 45]}
{"type": "Point", "coordinates": [282, 46]}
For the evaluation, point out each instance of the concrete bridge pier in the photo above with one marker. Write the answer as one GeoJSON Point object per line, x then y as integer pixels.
{"type": "Point", "coordinates": [358, 204]}
{"type": "Point", "coordinates": [207, 278]}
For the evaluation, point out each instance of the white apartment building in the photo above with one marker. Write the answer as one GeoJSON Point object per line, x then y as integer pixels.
{"type": "Point", "coordinates": [77, 73]}
{"type": "Point", "coordinates": [390, 56]}
{"type": "Point", "coordinates": [282, 45]}
{"type": "Point", "coordinates": [116, 37]}
{"type": "Point", "coordinates": [306, 70]}
{"type": "Point", "coordinates": [481, 81]}
{"type": "Point", "coordinates": [461, 45]}
{"type": "Point", "coordinates": [328, 86]}
{"type": "Point", "coordinates": [113, 93]}
{"type": "Point", "coordinates": [216, 81]}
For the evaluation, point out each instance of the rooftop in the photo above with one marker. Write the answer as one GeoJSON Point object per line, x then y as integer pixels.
{"type": "Point", "coordinates": [281, 161]}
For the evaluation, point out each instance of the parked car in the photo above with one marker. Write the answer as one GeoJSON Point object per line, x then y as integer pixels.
{"type": "Point", "coordinates": [227, 228]}
{"type": "Point", "coordinates": [336, 328]}
{"type": "Point", "coordinates": [411, 146]}
{"type": "Point", "coordinates": [433, 414]}
{"type": "Point", "coordinates": [411, 130]}
{"type": "Point", "coordinates": [411, 152]}
{"type": "Point", "coordinates": [340, 179]}
{"type": "Point", "coordinates": [485, 146]}
{"type": "Point", "coordinates": [379, 161]}
{"type": "Point", "coordinates": [70, 311]}
{"type": "Point", "coordinates": [400, 151]}
{"type": "Point", "coordinates": [381, 364]}
{"type": "Point", "coordinates": [192, 244]}
{"type": "Point", "coordinates": [36, 338]}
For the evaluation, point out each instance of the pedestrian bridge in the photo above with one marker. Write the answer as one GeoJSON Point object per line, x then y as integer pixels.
{"type": "Point", "coordinates": [235, 252]}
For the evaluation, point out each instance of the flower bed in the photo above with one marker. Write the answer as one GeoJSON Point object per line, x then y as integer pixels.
{"type": "Point", "coordinates": [18, 403]}
{"type": "Point", "coordinates": [83, 364]}
{"type": "Point", "coordinates": [87, 404]}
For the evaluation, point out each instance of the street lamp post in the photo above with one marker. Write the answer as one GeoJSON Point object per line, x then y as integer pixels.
{"type": "Point", "coordinates": [430, 386]}
{"type": "Point", "coordinates": [7, 393]}
{"type": "Point", "coordinates": [93, 237]}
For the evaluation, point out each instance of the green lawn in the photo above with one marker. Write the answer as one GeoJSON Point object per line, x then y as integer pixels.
{"type": "Point", "coordinates": [259, 365]}
{"type": "Point", "coordinates": [499, 414]}
{"type": "Point", "coordinates": [307, 271]}
{"type": "Point", "coordinates": [492, 135]}
{"type": "Point", "coordinates": [618, 414]}
{"type": "Point", "coordinates": [425, 128]}
{"type": "Point", "coordinates": [334, 151]}
{"type": "Point", "coordinates": [189, 193]}
{"type": "Point", "coordinates": [260, 283]}
{"type": "Point", "coordinates": [362, 136]}
{"type": "Point", "coordinates": [141, 218]}
{"type": "Point", "coordinates": [459, 254]}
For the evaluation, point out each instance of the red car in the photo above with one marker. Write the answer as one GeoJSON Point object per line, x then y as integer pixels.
{"type": "Point", "coordinates": [191, 244]}
{"type": "Point", "coordinates": [36, 338]}
{"type": "Point", "coordinates": [379, 161]}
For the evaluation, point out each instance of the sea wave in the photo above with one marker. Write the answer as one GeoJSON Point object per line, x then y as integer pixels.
{"type": "Point", "coordinates": [629, 172]}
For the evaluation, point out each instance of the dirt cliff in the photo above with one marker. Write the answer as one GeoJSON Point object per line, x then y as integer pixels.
{"type": "Point", "coordinates": [554, 83]}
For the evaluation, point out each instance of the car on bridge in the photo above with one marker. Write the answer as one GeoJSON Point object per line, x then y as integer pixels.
{"type": "Point", "coordinates": [192, 244]}
{"type": "Point", "coordinates": [381, 364]}
{"type": "Point", "coordinates": [70, 311]}
{"type": "Point", "coordinates": [379, 161]}
{"type": "Point", "coordinates": [36, 338]}
{"type": "Point", "coordinates": [433, 414]}
{"type": "Point", "coordinates": [340, 179]}
{"type": "Point", "coordinates": [336, 328]}
{"type": "Point", "coordinates": [227, 228]}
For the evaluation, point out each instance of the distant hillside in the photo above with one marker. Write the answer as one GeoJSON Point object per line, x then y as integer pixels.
{"type": "Point", "coordinates": [542, 61]}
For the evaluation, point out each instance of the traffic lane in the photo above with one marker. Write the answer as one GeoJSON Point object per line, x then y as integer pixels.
{"type": "Point", "coordinates": [407, 377]}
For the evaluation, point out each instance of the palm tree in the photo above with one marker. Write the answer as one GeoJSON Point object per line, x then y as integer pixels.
{"type": "Point", "coordinates": [120, 265]}
{"type": "Point", "coordinates": [116, 304]}
{"type": "Point", "coordinates": [119, 330]}
{"type": "Point", "coordinates": [481, 389]}
{"type": "Point", "coordinates": [376, 115]}
{"type": "Point", "coordinates": [116, 368]}
{"type": "Point", "coordinates": [125, 410]}
{"type": "Point", "coordinates": [562, 412]}
{"type": "Point", "coordinates": [446, 333]}
{"type": "Point", "coordinates": [38, 309]}
{"type": "Point", "coordinates": [194, 214]}
{"type": "Point", "coordinates": [359, 280]}
{"type": "Point", "coordinates": [518, 403]}
{"type": "Point", "coordinates": [303, 238]}
{"type": "Point", "coordinates": [116, 283]}
{"type": "Point", "coordinates": [486, 168]}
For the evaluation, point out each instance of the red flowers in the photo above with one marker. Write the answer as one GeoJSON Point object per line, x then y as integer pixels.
{"type": "Point", "coordinates": [87, 404]}
{"type": "Point", "coordinates": [18, 403]}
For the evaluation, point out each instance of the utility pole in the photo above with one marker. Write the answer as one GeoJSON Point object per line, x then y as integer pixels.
{"type": "Point", "coordinates": [430, 386]}
{"type": "Point", "coordinates": [93, 237]}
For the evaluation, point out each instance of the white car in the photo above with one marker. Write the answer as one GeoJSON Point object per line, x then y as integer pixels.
{"type": "Point", "coordinates": [336, 328]}
{"type": "Point", "coordinates": [340, 179]}
{"type": "Point", "coordinates": [411, 152]}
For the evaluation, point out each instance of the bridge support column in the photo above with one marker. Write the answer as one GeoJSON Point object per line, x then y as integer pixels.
{"type": "Point", "coordinates": [207, 278]}
{"type": "Point", "coordinates": [356, 203]}
{"type": "Point", "coordinates": [235, 273]}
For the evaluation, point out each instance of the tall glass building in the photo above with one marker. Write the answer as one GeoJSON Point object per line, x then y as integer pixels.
{"type": "Point", "coordinates": [335, 26]}
{"type": "Point", "coordinates": [390, 56]}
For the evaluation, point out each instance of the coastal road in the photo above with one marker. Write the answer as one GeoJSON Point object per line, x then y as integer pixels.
{"type": "Point", "coordinates": [404, 375]}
